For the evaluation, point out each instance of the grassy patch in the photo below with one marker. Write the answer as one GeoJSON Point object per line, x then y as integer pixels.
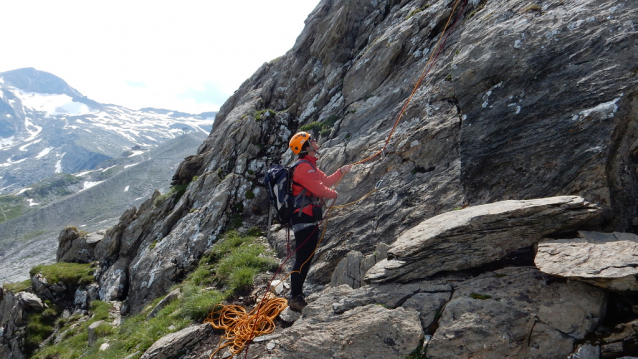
{"type": "Point", "coordinates": [39, 327]}
{"type": "Point", "coordinates": [11, 207]}
{"type": "Point", "coordinates": [233, 263]}
{"type": "Point", "coordinates": [323, 128]}
{"type": "Point", "coordinates": [480, 296]}
{"type": "Point", "coordinates": [75, 341]}
{"type": "Point", "coordinates": [68, 273]}
{"type": "Point", "coordinates": [17, 287]}
{"type": "Point", "coordinates": [209, 285]}
{"type": "Point", "coordinates": [54, 186]}
{"type": "Point", "coordinates": [259, 115]}
{"type": "Point", "coordinates": [179, 189]}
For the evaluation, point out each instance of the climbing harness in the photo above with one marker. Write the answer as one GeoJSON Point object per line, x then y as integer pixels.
{"type": "Point", "coordinates": [241, 327]}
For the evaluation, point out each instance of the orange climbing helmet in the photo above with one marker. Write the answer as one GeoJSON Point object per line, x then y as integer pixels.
{"type": "Point", "coordinates": [297, 141]}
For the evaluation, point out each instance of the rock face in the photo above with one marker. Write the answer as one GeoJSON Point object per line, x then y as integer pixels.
{"type": "Point", "coordinates": [607, 260]}
{"type": "Point", "coordinates": [352, 269]}
{"type": "Point", "coordinates": [477, 235]}
{"type": "Point", "coordinates": [525, 102]}
{"type": "Point", "coordinates": [479, 130]}
{"type": "Point", "coordinates": [13, 311]}
{"type": "Point", "coordinates": [515, 312]}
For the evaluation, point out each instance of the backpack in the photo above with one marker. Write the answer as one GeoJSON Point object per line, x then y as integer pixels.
{"type": "Point", "coordinates": [278, 180]}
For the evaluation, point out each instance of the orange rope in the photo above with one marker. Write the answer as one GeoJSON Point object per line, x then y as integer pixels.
{"type": "Point", "coordinates": [242, 327]}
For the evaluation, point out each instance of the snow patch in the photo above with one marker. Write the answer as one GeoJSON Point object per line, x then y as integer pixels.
{"type": "Point", "coordinates": [53, 104]}
{"type": "Point", "coordinates": [6, 142]}
{"type": "Point", "coordinates": [32, 203]}
{"type": "Point", "coordinates": [89, 184]}
{"type": "Point", "coordinates": [58, 165]}
{"type": "Point", "coordinates": [108, 168]}
{"type": "Point", "coordinates": [44, 152]}
{"type": "Point", "coordinates": [24, 148]}
{"type": "Point", "coordinates": [126, 189]}
{"type": "Point", "coordinates": [135, 153]}
{"type": "Point", "coordinates": [134, 164]}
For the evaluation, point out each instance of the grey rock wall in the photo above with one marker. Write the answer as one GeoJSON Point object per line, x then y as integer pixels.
{"type": "Point", "coordinates": [519, 105]}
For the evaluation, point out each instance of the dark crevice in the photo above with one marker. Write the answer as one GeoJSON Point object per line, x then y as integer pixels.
{"type": "Point", "coordinates": [529, 337]}
{"type": "Point", "coordinates": [437, 318]}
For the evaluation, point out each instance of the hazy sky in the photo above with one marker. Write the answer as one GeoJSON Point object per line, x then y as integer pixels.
{"type": "Point", "coordinates": [186, 55]}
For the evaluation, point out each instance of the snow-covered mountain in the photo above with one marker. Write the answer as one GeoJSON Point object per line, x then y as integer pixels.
{"type": "Point", "coordinates": [48, 127]}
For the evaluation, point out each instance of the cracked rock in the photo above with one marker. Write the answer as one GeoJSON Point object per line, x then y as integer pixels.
{"type": "Point", "coordinates": [606, 260]}
{"type": "Point", "coordinates": [516, 312]}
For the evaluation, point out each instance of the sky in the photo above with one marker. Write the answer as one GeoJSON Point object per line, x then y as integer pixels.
{"type": "Point", "coordinates": [186, 55]}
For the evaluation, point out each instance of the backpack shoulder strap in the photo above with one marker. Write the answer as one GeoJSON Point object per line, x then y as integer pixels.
{"type": "Point", "coordinates": [304, 161]}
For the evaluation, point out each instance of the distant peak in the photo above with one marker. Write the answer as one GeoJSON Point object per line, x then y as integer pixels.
{"type": "Point", "coordinates": [30, 79]}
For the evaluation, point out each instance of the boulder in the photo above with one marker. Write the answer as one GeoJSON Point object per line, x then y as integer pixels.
{"type": "Point", "coordinates": [474, 236]}
{"type": "Point", "coordinates": [177, 293]}
{"type": "Point", "coordinates": [178, 342]}
{"type": "Point", "coordinates": [606, 260]}
{"type": "Point", "coordinates": [92, 332]}
{"type": "Point", "coordinates": [187, 170]}
{"type": "Point", "coordinates": [370, 331]}
{"type": "Point", "coordinates": [30, 301]}
{"type": "Point", "coordinates": [13, 313]}
{"type": "Point", "coordinates": [516, 312]}
{"type": "Point", "coordinates": [77, 247]}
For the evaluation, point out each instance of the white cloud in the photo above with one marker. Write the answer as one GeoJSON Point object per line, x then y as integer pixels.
{"type": "Point", "coordinates": [150, 53]}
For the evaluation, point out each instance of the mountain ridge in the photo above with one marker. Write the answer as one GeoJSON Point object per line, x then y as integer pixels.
{"type": "Point", "coordinates": [48, 127]}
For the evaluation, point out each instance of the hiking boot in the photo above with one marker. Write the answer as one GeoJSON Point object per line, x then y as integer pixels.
{"type": "Point", "coordinates": [297, 303]}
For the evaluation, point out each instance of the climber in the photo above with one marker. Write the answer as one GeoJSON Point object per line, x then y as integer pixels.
{"type": "Point", "coordinates": [313, 186]}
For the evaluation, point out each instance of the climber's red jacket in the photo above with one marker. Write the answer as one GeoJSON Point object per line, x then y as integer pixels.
{"type": "Point", "coordinates": [316, 182]}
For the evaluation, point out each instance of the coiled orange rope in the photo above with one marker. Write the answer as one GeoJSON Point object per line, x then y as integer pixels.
{"type": "Point", "coordinates": [242, 327]}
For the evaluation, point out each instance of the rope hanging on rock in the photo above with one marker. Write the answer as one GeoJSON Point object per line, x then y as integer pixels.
{"type": "Point", "coordinates": [242, 327]}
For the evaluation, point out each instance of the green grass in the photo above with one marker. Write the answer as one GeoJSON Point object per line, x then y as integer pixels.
{"type": "Point", "coordinates": [322, 127]}
{"type": "Point", "coordinates": [11, 207]}
{"type": "Point", "coordinates": [480, 296]}
{"type": "Point", "coordinates": [418, 352]}
{"type": "Point", "coordinates": [259, 115]}
{"type": "Point", "coordinates": [17, 287]}
{"type": "Point", "coordinates": [179, 189]}
{"type": "Point", "coordinates": [56, 185]}
{"type": "Point", "coordinates": [68, 273]}
{"type": "Point", "coordinates": [39, 327]}
{"type": "Point", "coordinates": [226, 270]}
{"type": "Point", "coordinates": [75, 341]}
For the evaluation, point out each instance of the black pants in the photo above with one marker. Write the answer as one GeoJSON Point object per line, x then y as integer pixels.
{"type": "Point", "coordinates": [306, 240]}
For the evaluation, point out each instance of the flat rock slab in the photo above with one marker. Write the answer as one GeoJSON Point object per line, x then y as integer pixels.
{"type": "Point", "coordinates": [477, 235]}
{"type": "Point", "coordinates": [369, 331]}
{"type": "Point", "coordinates": [607, 260]}
{"type": "Point", "coordinates": [516, 312]}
